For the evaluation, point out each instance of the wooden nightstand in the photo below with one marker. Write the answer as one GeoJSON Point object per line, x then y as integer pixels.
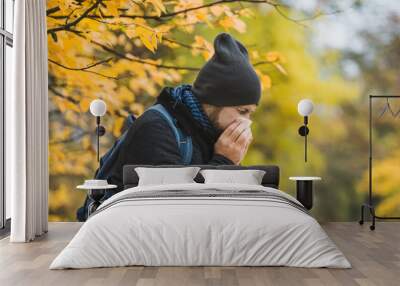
{"type": "Point", "coordinates": [304, 190]}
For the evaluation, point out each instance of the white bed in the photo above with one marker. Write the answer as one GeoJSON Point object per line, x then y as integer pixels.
{"type": "Point", "coordinates": [251, 225]}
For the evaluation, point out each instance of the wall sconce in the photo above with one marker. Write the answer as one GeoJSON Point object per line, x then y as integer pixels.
{"type": "Point", "coordinates": [305, 108]}
{"type": "Point", "coordinates": [98, 108]}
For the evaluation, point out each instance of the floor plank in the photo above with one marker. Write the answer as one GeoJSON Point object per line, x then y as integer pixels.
{"type": "Point", "coordinates": [375, 257]}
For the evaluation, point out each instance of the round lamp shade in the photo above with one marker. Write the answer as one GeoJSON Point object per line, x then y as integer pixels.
{"type": "Point", "coordinates": [98, 107]}
{"type": "Point", "coordinates": [305, 107]}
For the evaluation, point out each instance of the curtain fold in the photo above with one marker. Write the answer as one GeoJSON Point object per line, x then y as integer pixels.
{"type": "Point", "coordinates": [28, 124]}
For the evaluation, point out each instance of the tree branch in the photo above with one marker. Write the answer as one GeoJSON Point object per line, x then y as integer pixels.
{"type": "Point", "coordinates": [154, 17]}
{"type": "Point", "coordinates": [277, 6]}
{"type": "Point", "coordinates": [88, 66]}
{"type": "Point", "coordinates": [184, 45]}
{"type": "Point", "coordinates": [76, 21]}
{"type": "Point", "coordinates": [122, 55]}
{"type": "Point", "coordinates": [86, 69]}
{"type": "Point", "coordinates": [262, 63]}
{"type": "Point", "coordinates": [168, 15]}
{"type": "Point", "coordinates": [52, 10]}
{"type": "Point", "coordinates": [59, 94]}
{"type": "Point", "coordinates": [315, 16]}
{"type": "Point", "coordinates": [74, 101]}
{"type": "Point", "coordinates": [133, 59]}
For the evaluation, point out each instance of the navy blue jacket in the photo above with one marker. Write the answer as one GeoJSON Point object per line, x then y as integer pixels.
{"type": "Point", "coordinates": [150, 140]}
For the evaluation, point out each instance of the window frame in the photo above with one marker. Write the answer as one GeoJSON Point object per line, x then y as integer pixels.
{"type": "Point", "coordinates": [6, 39]}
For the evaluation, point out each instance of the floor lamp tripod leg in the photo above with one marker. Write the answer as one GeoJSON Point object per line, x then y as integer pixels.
{"type": "Point", "coordinates": [361, 221]}
{"type": "Point", "coordinates": [372, 227]}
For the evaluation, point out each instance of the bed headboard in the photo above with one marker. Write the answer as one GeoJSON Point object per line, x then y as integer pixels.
{"type": "Point", "coordinates": [270, 179]}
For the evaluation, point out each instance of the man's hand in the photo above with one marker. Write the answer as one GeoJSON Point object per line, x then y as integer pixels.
{"type": "Point", "coordinates": [234, 141]}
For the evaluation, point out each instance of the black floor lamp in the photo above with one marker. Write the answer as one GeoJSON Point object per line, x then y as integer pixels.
{"type": "Point", "coordinates": [369, 205]}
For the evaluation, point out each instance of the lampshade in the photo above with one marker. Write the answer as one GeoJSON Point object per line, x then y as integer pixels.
{"type": "Point", "coordinates": [305, 107]}
{"type": "Point", "coordinates": [98, 107]}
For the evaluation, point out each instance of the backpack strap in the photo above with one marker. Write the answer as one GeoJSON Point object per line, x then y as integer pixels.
{"type": "Point", "coordinates": [184, 141]}
{"type": "Point", "coordinates": [108, 159]}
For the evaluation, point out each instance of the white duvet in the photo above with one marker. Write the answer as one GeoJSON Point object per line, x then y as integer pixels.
{"type": "Point", "coordinates": [183, 231]}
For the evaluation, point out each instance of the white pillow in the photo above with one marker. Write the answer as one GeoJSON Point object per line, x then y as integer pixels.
{"type": "Point", "coordinates": [249, 177]}
{"type": "Point", "coordinates": [161, 176]}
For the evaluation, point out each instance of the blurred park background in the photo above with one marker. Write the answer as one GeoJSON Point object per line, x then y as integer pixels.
{"type": "Point", "coordinates": [334, 52]}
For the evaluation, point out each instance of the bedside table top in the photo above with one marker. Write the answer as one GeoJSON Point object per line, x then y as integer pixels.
{"type": "Point", "coordinates": [96, 184]}
{"type": "Point", "coordinates": [305, 178]}
{"type": "Point", "coordinates": [86, 187]}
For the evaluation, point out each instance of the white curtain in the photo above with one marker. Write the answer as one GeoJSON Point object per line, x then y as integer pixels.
{"type": "Point", "coordinates": [27, 124]}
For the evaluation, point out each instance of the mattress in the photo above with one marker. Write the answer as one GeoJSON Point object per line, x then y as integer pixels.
{"type": "Point", "coordinates": [201, 225]}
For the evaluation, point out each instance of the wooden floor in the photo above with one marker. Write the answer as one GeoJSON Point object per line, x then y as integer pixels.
{"type": "Point", "coordinates": [375, 257]}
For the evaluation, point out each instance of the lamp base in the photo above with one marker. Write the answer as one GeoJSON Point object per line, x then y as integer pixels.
{"type": "Point", "coordinates": [100, 130]}
{"type": "Point", "coordinates": [303, 130]}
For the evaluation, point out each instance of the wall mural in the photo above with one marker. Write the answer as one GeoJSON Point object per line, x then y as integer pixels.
{"type": "Point", "coordinates": [124, 52]}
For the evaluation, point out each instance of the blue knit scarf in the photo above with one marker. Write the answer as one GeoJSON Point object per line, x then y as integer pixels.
{"type": "Point", "coordinates": [183, 93]}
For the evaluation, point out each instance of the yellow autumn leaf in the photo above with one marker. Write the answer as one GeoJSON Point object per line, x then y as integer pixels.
{"type": "Point", "coordinates": [274, 56]}
{"type": "Point", "coordinates": [246, 12]}
{"type": "Point", "coordinates": [154, 40]}
{"type": "Point", "coordinates": [131, 33]}
{"type": "Point", "coordinates": [136, 108]}
{"type": "Point", "coordinates": [112, 8]}
{"type": "Point", "coordinates": [146, 37]}
{"type": "Point", "coordinates": [239, 25]}
{"type": "Point", "coordinates": [226, 22]}
{"type": "Point", "coordinates": [217, 10]}
{"type": "Point", "coordinates": [158, 6]}
{"type": "Point", "coordinates": [71, 106]}
{"type": "Point", "coordinates": [84, 104]}
{"type": "Point", "coordinates": [201, 15]}
{"type": "Point", "coordinates": [159, 36]}
{"type": "Point", "coordinates": [206, 55]}
{"type": "Point", "coordinates": [280, 68]}
{"type": "Point", "coordinates": [266, 82]}
{"type": "Point", "coordinates": [255, 54]}
{"type": "Point", "coordinates": [86, 142]}
{"type": "Point", "coordinates": [119, 121]}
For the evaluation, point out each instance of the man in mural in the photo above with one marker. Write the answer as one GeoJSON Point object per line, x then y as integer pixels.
{"type": "Point", "coordinates": [214, 113]}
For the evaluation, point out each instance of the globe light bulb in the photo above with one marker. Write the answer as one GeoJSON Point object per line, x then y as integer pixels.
{"type": "Point", "coordinates": [305, 107]}
{"type": "Point", "coordinates": [98, 107]}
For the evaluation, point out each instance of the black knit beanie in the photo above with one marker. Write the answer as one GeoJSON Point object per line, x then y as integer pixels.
{"type": "Point", "coordinates": [228, 78]}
